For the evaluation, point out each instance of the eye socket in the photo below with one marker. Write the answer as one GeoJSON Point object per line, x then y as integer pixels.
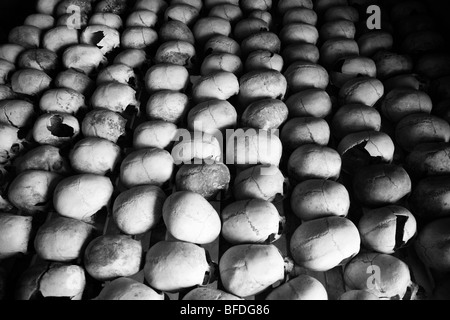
{"type": "Point", "coordinates": [15, 148]}
{"type": "Point", "coordinates": [208, 51]}
{"type": "Point", "coordinates": [132, 82]}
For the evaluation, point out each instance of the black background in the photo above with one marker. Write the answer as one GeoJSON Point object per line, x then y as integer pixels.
{"type": "Point", "coordinates": [13, 13]}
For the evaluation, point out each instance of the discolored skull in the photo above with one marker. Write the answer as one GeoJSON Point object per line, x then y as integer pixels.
{"type": "Point", "coordinates": [44, 158]}
{"type": "Point", "coordinates": [16, 113]}
{"type": "Point", "coordinates": [39, 59]}
{"type": "Point", "coordinates": [175, 30]}
{"type": "Point", "coordinates": [176, 52]}
{"type": "Point", "coordinates": [103, 123]}
{"type": "Point", "coordinates": [111, 6]}
{"type": "Point", "coordinates": [25, 36]}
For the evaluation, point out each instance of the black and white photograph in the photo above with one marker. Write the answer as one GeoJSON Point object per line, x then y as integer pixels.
{"type": "Point", "coordinates": [220, 157]}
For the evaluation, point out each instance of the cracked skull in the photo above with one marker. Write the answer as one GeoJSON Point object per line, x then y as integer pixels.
{"type": "Point", "coordinates": [251, 221]}
{"type": "Point", "coordinates": [189, 217]}
{"type": "Point", "coordinates": [82, 196]}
